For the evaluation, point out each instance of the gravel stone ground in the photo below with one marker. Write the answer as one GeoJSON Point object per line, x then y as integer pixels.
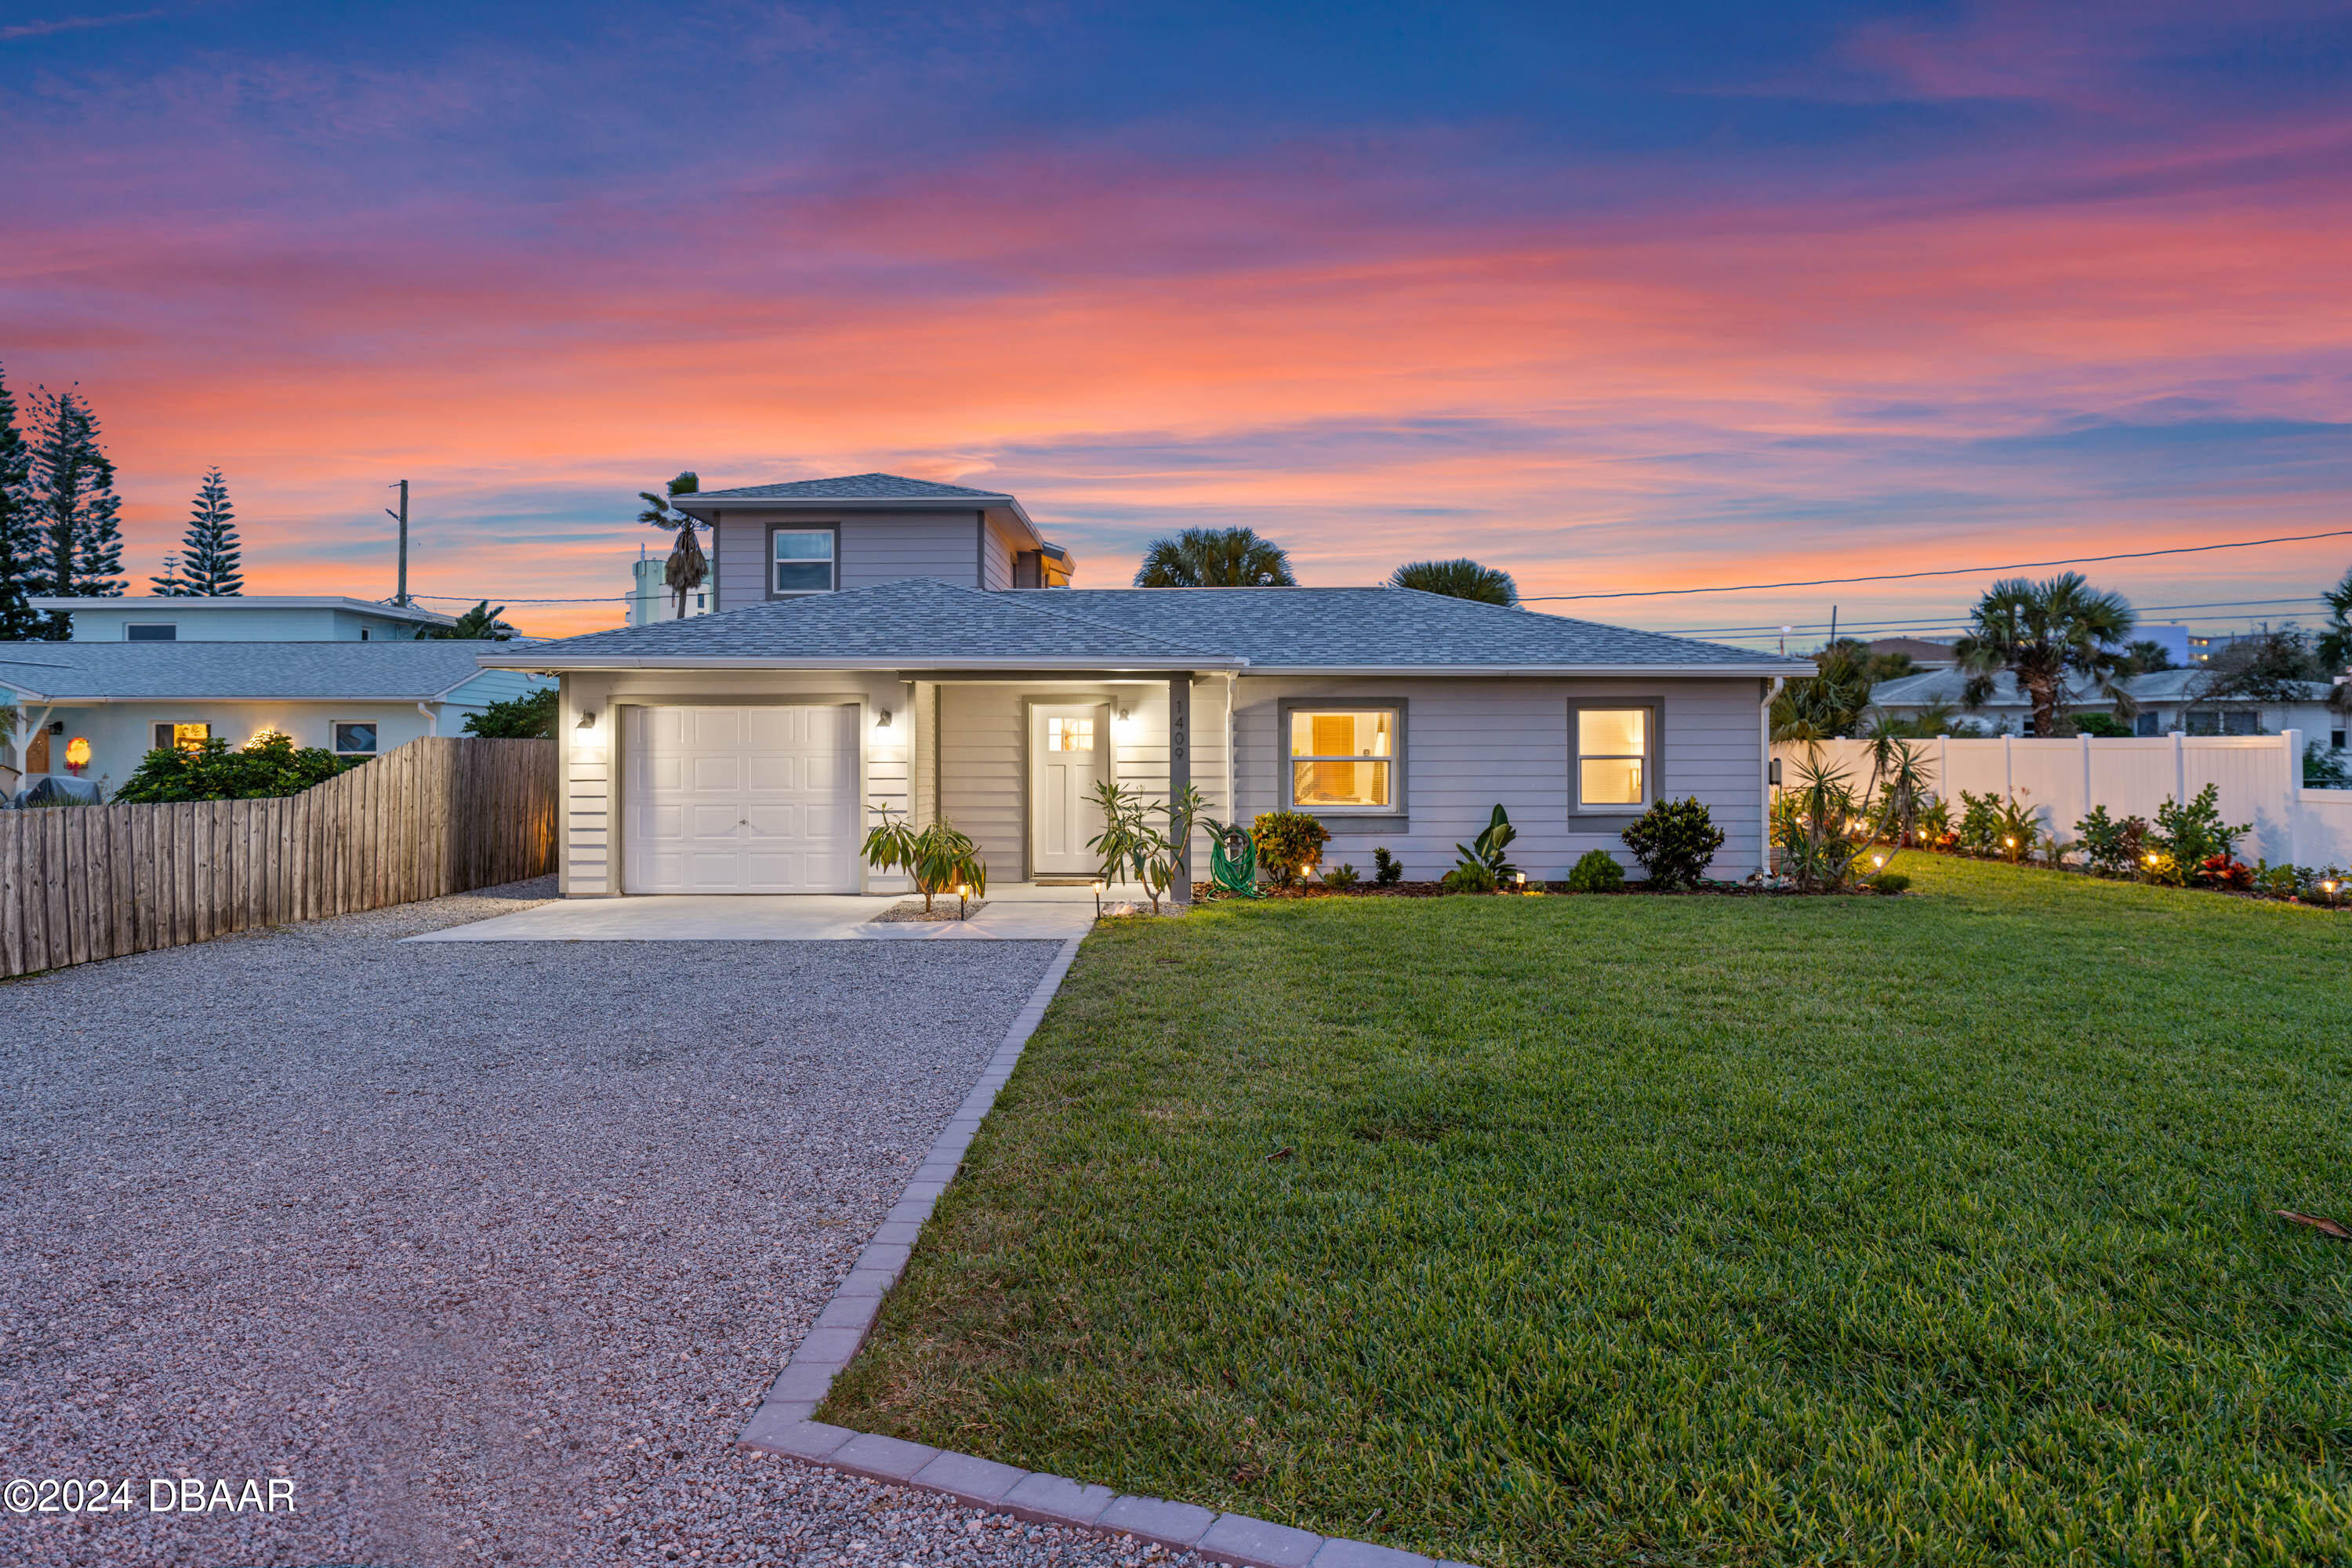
{"type": "Point", "coordinates": [489, 1248]}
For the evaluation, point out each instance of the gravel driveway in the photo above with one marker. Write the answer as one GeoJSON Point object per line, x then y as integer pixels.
{"type": "Point", "coordinates": [489, 1248]}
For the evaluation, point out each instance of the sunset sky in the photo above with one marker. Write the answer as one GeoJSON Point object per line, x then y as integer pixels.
{"type": "Point", "coordinates": [1656, 296]}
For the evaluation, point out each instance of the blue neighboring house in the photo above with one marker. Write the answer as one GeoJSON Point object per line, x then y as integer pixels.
{"type": "Point", "coordinates": [355, 677]}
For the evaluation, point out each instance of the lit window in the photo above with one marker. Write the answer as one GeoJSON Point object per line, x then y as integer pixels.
{"type": "Point", "coordinates": [355, 739]}
{"type": "Point", "coordinates": [1069, 734]}
{"type": "Point", "coordinates": [182, 737]}
{"type": "Point", "coordinates": [803, 561]}
{"type": "Point", "coordinates": [1340, 761]}
{"type": "Point", "coordinates": [1612, 757]}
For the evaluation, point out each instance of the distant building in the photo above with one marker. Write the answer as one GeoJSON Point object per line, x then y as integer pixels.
{"type": "Point", "coordinates": [1924, 654]}
{"type": "Point", "coordinates": [651, 601]}
{"type": "Point", "coordinates": [2166, 700]}
{"type": "Point", "coordinates": [257, 617]}
{"type": "Point", "coordinates": [2175, 641]}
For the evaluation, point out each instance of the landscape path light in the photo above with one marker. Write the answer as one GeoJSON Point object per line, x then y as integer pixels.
{"type": "Point", "coordinates": [1097, 886]}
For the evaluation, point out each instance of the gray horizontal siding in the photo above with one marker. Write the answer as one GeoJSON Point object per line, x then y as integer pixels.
{"type": "Point", "coordinates": [1471, 744]}
{"type": "Point", "coordinates": [876, 547]}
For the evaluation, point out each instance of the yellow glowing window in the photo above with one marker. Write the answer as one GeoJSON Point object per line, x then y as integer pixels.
{"type": "Point", "coordinates": [182, 737]}
{"type": "Point", "coordinates": [1612, 756]}
{"type": "Point", "coordinates": [1069, 734]}
{"type": "Point", "coordinates": [1340, 759]}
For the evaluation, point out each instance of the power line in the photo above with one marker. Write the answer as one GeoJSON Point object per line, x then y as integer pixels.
{"type": "Point", "coordinates": [486, 598]}
{"type": "Point", "coordinates": [1955, 571]}
{"type": "Point", "coordinates": [1942, 621]}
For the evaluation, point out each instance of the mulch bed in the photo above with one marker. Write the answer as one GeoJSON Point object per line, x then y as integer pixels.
{"type": "Point", "coordinates": [1204, 891]}
{"type": "Point", "coordinates": [911, 912]}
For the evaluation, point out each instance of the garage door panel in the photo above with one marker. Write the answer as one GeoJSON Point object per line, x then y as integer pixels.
{"type": "Point", "coordinates": [750, 800]}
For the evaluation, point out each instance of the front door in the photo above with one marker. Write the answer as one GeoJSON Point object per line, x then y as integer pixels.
{"type": "Point", "coordinates": [1069, 753]}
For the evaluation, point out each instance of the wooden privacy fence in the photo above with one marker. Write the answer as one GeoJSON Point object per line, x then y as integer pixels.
{"type": "Point", "coordinates": [434, 817]}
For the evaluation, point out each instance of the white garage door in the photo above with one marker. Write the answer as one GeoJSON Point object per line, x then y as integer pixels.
{"type": "Point", "coordinates": [741, 800]}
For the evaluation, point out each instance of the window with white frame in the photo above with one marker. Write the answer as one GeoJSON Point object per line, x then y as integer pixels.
{"type": "Point", "coordinates": [1342, 758]}
{"type": "Point", "coordinates": [1069, 734]}
{"type": "Point", "coordinates": [802, 561]}
{"type": "Point", "coordinates": [1613, 749]}
{"type": "Point", "coordinates": [354, 738]}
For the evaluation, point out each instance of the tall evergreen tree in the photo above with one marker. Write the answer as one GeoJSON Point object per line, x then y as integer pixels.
{"type": "Point", "coordinates": [211, 553]}
{"type": "Point", "coordinates": [170, 584]}
{"type": "Point", "coordinates": [77, 516]}
{"type": "Point", "coordinates": [18, 620]}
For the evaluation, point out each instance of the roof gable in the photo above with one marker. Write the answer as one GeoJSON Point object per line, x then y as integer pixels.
{"type": "Point", "coordinates": [850, 487]}
{"type": "Point", "coordinates": [923, 622]}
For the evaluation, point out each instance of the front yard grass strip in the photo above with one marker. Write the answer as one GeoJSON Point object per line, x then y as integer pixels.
{"type": "Point", "coordinates": [1932, 1229]}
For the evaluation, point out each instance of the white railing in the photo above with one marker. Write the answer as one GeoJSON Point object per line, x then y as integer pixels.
{"type": "Point", "coordinates": [2258, 779]}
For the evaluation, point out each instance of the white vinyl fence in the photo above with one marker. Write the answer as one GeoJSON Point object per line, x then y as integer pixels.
{"type": "Point", "coordinates": [2259, 779]}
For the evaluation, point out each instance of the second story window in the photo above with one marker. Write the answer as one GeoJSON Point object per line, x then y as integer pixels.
{"type": "Point", "coordinates": [803, 561]}
{"type": "Point", "coordinates": [151, 631]}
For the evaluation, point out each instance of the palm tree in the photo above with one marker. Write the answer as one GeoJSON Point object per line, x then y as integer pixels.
{"type": "Point", "coordinates": [1215, 558]}
{"type": "Point", "coordinates": [1460, 579]}
{"type": "Point", "coordinates": [2049, 634]}
{"type": "Point", "coordinates": [688, 568]}
{"type": "Point", "coordinates": [480, 622]}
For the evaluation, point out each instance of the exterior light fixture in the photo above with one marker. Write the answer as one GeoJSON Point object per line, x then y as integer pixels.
{"type": "Point", "coordinates": [963, 891]}
{"type": "Point", "coordinates": [1878, 862]}
{"type": "Point", "coordinates": [587, 717]}
{"type": "Point", "coordinates": [882, 718]}
{"type": "Point", "coordinates": [1098, 893]}
{"type": "Point", "coordinates": [1522, 879]}
{"type": "Point", "coordinates": [77, 752]}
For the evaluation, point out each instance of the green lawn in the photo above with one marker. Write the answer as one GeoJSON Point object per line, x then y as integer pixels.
{"type": "Point", "coordinates": [1932, 1229]}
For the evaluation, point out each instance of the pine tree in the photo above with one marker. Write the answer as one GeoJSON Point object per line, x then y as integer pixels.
{"type": "Point", "coordinates": [171, 584]}
{"type": "Point", "coordinates": [17, 621]}
{"type": "Point", "coordinates": [212, 563]}
{"type": "Point", "coordinates": [76, 515]}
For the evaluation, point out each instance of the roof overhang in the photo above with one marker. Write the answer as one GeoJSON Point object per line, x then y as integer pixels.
{"type": "Point", "coordinates": [1005, 510]}
{"type": "Point", "coordinates": [146, 603]}
{"type": "Point", "coordinates": [590, 664]}
{"type": "Point", "coordinates": [72, 699]}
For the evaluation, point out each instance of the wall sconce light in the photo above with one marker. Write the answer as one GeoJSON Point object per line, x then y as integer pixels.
{"type": "Point", "coordinates": [77, 753]}
{"type": "Point", "coordinates": [882, 718]}
{"type": "Point", "coordinates": [1123, 714]}
{"type": "Point", "coordinates": [587, 717]}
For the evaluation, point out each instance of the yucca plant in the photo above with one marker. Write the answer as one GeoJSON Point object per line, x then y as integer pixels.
{"type": "Point", "coordinates": [1819, 826]}
{"type": "Point", "coordinates": [938, 857]}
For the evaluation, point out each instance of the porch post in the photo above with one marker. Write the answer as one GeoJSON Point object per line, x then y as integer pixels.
{"type": "Point", "coordinates": [1179, 772]}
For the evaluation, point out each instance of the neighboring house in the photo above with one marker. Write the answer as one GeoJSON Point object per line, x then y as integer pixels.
{"type": "Point", "coordinates": [94, 709]}
{"type": "Point", "coordinates": [1922, 653]}
{"type": "Point", "coordinates": [870, 649]}
{"type": "Point", "coordinates": [2168, 699]}
{"type": "Point", "coordinates": [241, 618]}
{"type": "Point", "coordinates": [650, 599]}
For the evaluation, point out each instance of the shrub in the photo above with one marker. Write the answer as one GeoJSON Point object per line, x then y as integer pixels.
{"type": "Point", "coordinates": [2103, 726]}
{"type": "Point", "coordinates": [1889, 882]}
{"type": "Point", "coordinates": [1129, 842]}
{"type": "Point", "coordinates": [1387, 869]}
{"type": "Point", "coordinates": [2220, 871]}
{"type": "Point", "coordinates": [1596, 872]}
{"type": "Point", "coordinates": [1933, 826]}
{"type": "Point", "coordinates": [2188, 835]}
{"type": "Point", "coordinates": [1469, 877]}
{"type": "Point", "coordinates": [2326, 767]}
{"type": "Point", "coordinates": [529, 717]}
{"type": "Point", "coordinates": [1288, 843]}
{"type": "Point", "coordinates": [1675, 840]}
{"type": "Point", "coordinates": [1341, 877]}
{"type": "Point", "coordinates": [2113, 849]}
{"type": "Point", "coordinates": [1813, 826]}
{"type": "Point", "coordinates": [1978, 830]}
{"type": "Point", "coordinates": [266, 765]}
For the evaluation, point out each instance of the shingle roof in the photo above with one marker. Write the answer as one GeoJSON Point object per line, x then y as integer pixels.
{"type": "Point", "coordinates": [923, 623]}
{"type": "Point", "coordinates": [386, 671]}
{"type": "Point", "coordinates": [850, 487]}
{"type": "Point", "coordinates": [918, 621]}
{"type": "Point", "coordinates": [1393, 628]}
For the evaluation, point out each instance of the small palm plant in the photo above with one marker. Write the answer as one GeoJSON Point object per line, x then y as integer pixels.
{"type": "Point", "coordinates": [939, 857]}
{"type": "Point", "coordinates": [1820, 826]}
{"type": "Point", "coordinates": [1459, 579]}
{"type": "Point", "coordinates": [1129, 842]}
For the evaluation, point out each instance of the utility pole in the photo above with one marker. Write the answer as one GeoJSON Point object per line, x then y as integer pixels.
{"type": "Point", "coordinates": [403, 555]}
{"type": "Point", "coordinates": [400, 596]}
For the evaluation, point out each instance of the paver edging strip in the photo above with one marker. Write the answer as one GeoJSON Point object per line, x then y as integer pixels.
{"type": "Point", "coordinates": [783, 1424]}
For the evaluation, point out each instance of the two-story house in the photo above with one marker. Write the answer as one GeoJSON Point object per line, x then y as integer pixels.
{"type": "Point", "coordinates": [889, 642]}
